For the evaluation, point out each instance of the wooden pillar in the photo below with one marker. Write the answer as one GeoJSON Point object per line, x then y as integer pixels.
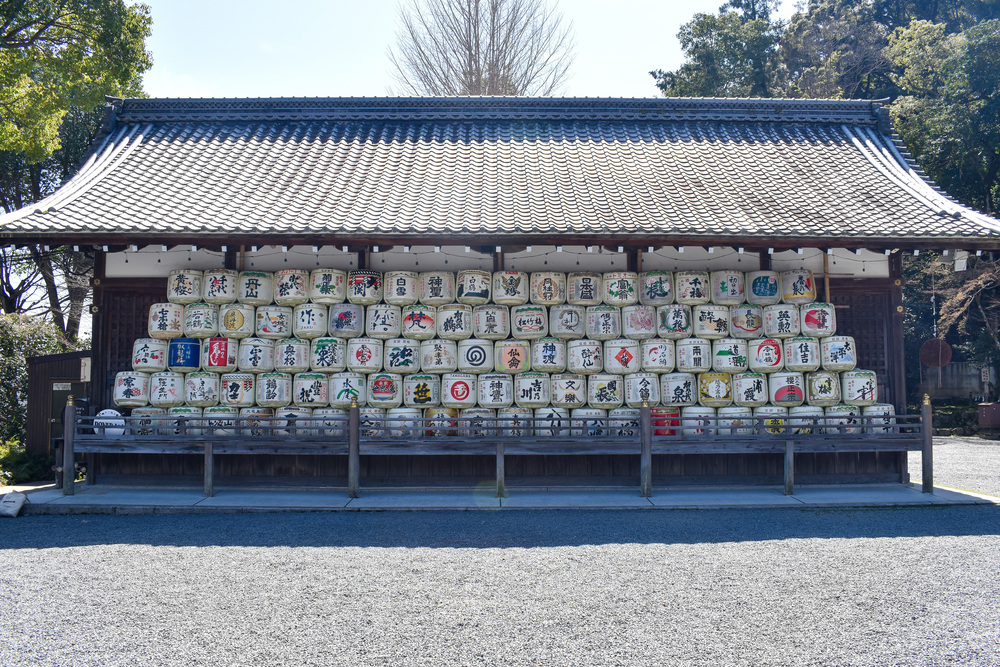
{"type": "Point", "coordinates": [233, 258]}
{"type": "Point", "coordinates": [645, 451]}
{"type": "Point", "coordinates": [69, 460]}
{"type": "Point", "coordinates": [498, 261]}
{"type": "Point", "coordinates": [632, 259]}
{"type": "Point", "coordinates": [789, 467]}
{"type": "Point", "coordinates": [765, 260]}
{"type": "Point", "coordinates": [927, 458]}
{"type": "Point", "coordinates": [896, 364]}
{"type": "Point", "coordinates": [501, 471]}
{"type": "Point", "coordinates": [209, 470]}
{"type": "Point", "coordinates": [354, 452]}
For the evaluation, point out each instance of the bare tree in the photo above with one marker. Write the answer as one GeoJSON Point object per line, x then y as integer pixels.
{"type": "Point", "coordinates": [481, 47]}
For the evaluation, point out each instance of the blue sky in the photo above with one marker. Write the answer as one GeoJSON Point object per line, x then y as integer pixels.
{"type": "Point", "coordinates": [214, 48]}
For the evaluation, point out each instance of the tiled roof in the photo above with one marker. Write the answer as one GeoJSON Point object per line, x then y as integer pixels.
{"type": "Point", "coordinates": [426, 168]}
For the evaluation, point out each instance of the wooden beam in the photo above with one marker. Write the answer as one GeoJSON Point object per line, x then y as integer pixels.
{"type": "Point", "coordinates": [354, 452]}
{"type": "Point", "coordinates": [645, 451]}
{"type": "Point", "coordinates": [69, 458]}
{"type": "Point", "coordinates": [927, 453]}
{"type": "Point", "coordinates": [501, 471]}
{"type": "Point", "coordinates": [209, 470]}
{"type": "Point", "coordinates": [789, 467]}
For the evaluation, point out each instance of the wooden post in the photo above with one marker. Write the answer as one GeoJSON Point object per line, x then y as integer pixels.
{"type": "Point", "coordinates": [927, 431]}
{"type": "Point", "coordinates": [789, 467]}
{"type": "Point", "coordinates": [645, 451]}
{"type": "Point", "coordinates": [501, 471]}
{"type": "Point", "coordinates": [209, 470]}
{"type": "Point", "coordinates": [68, 460]}
{"type": "Point", "coordinates": [354, 452]}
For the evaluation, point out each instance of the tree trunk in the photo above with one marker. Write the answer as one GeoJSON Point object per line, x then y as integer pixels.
{"type": "Point", "coordinates": [44, 264]}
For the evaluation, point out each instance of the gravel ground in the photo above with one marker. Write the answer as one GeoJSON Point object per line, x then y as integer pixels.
{"type": "Point", "coordinates": [969, 464]}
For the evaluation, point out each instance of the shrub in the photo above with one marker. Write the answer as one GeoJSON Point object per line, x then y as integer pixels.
{"type": "Point", "coordinates": [17, 466]}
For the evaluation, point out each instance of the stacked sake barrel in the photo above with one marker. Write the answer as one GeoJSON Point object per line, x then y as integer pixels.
{"type": "Point", "coordinates": [580, 353]}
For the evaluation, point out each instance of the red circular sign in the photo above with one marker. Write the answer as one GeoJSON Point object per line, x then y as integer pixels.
{"type": "Point", "coordinates": [460, 391]}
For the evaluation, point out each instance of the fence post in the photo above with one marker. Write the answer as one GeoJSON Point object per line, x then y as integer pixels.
{"type": "Point", "coordinates": [645, 451]}
{"type": "Point", "coordinates": [501, 471]}
{"type": "Point", "coordinates": [789, 467]}
{"type": "Point", "coordinates": [927, 431]}
{"type": "Point", "coordinates": [354, 451]}
{"type": "Point", "coordinates": [209, 469]}
{"type": "Point", "coordinates": [69, 460]}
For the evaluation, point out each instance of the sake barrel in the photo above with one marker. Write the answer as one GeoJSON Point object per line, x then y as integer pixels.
{"type": "Point", "coordinates": [711, 321]}
{"type": "Point", "coordinates": [475, 355]}
{"type": "Point", "coordinates": [781, 321]}
{"type": "Point", "coordinates": [364, 355]}
{"type": "Point", "coordinates": [584, 356]}
{"type": "Point", "coordinates": [529, 322]}
{"type": "Point", "coordinates": [401, 355]}
{"type": "Point", "coordinates": [694, 355]}
{"type": "Point", "coordinates": [715, 390]}
{"type": "Point", "coordinates": [385, 390]}
{"type": "Point", "coordinates": [510, 288]}
{"type": "Point", "coordinates": [327, 286]}
{"type": "Point", "coordinates": [567, 322]}
{"type": "Point", "coordinates": [364, 287]}
{"type": "Point", "coordinates": [190, 415]}
{"type": "Point", "coordinates": [421, 391]}
{"type": "Point", "coordinates": [220, 420]}
{"type": "Point", "coordinates": [491, 322]}
{"type": "Point", "coordinates": [806, 419]}
{"type": "Point", "coordinates": [734, 420]}
{"type": "Point", "coordinates": [569, 390]}
{"type": "Point", "coordinates": [838, 353]}
{"type": "Point", "coordinates": [310, 320]}
{"type": "Point", "coordinates": [621, 356]}
{"type": "Point", "coordinates": [798, 286]}
{"type": "Point", "coordinates": [372, 421]}
{"type": "Point", "coordinates": [605, 390]}
{"type": "Point", "coordinates": [220, 355]}
{"type": "Point", "coordinates": [765, 355]}
{"type": "Point", "coordinates": [201, 320]}
{"type": "Point", "coordinates": [546, 288]}
{"type": "Point", "coordinates": [588, 422]}
{"type": "Point", "coordinates": [730, 355]}
{"type": "Point", "coordinates": [438, 356]}
{"type": "Point", "coordinates": [532, 390]}
{"type": "Point", "coordinates": [131, 389]}
{"type": "Point", "coordinates": [624, 422]}
{"type": "Point", "coordinates": [404, 422]}
{"type": "Point", "coordinates": [166, 321]}
{"type": "Point", "coordinates": [584, 288]}
{"type": "Point", "coordinates": [437, 288]}
{"type": "Point", "coordinates": [237, 320]}
{"type": "Point", "coordinates": [347, 320]}
{"type": "Point", "coordinates": [237, 390]}
{"type": "Point", "coordinates": [665, 420]}
{"type": "Point", "coordinates": [859, 387]}
{"type": "Point", "coordinates": [291, 355]}
{"type": "Point", "coordinates": [383, 321]}
{"type": "Point", "coordinates": [219, 286]}
{"type": "Point", "coordinates": [515, 422]}
{"type": "Point", "coordinates": [292, 420]}
{"type": "Point", "coordinates": [274, 322]}
{"type": "Point", "coordinates": [673, 321]}
{"type": "Point", "coordinates": [642, 389]}
{"type": "Point", "coordinates": [184, 355]}
{"type": "Point", "coordinates": [201, 389]}
{"type": "Point", "coordinates": [255, 288]}
{"type": "Point", "coordinates": [697, 420]}
{"type": "Point", "coordinates": [879, 419]}
{"type": "Point", "coordinates": [786, 388]}
{"type": "Point", "coordinates": [750, 389]}
{"type": "Point", "coordinates": [620, 288]}
{"type": "Point", "coordinates": [727, 287]}
{"type": "Point", "coordinates": [148, 420]}
{"type": "Point", "coordinates": [256, 421]}
{"type": "Point", "coordinates": [402, 288]}
{"type": "Point", "coordinates": [274, 390]}
{"type": "Point", "coordinates": [328, 355]}
{"type": "Point", "coordinates": [639, 322]}
{"type": "Point", "coordinates": [552, 422]}
{"type": "Point", "coordinates": [256, 355]}
{"type": "Point", "coordinates": [801, 353]}
{"type": "Point", "coordinates": [495, 390]}
{"type": "Point", "coordinates": [604, 322]}
{"type": "Point", "coordinates": [166, 389]}
{"type": "Point", "coordinates": [441, 421]}
{"type": "Point", "coordinates": [746, 321]}
{"type": "Point", "coordinates": [149, 355]}
{"type": "Point", "coordinates": [454, 321]}
{"type": "Point", "coordinates": [458, 390]}
{"type": "Point", "coordinates": [657, 355]}
{"type": "Point", "coordinates": [512, 356]}
{"type": "Point", "coordinates": [473, 286]}
{"type": "Point", "coordinates": [347, 388]}
{"type": "Point", "coordinates": [331, 422]}
{"type": "Point", "coordinates": [843, 420]}
{"type": "Point", "coordinates": [678, 389]}
{"type": "Point", "coordinates": [692, 288]}
{"type": "Point", "coordinates": [184, 286]}
{"type": "Point", "coordinates": [311, 390]}
{"type": "Point", "coordinates": [770, 419]}
{"type": "Point", "coordinates": [549, 355]}
{"type": "Point", "coordinates": [823, 388]}
{"type": "Point", "coordinates": [419, 322]}
{"type": "Point", "coordinates": [656, 288]}
{"type": "Point", "coordinates": [817, 319]}
{"type": "Point", "coordinates": [762, 287]}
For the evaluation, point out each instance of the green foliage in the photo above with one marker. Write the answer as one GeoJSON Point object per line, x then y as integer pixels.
{"type": "Point", "coordinates": [17, 466]}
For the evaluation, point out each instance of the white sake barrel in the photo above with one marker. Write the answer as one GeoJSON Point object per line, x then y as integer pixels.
{"type": "Point", "coordinates": [843, 420]}
{"type": "Point", "coordinates": [385, 390]}
{"type": "Point", "coordinates": [622, 356]}
{"type": "Point", "coordinates": [838, 353]}
{"type": "Point", "coordinates": [292, 420]}
{"type": "Point", "coordinates": [692, 288]}
{"type": "Point", "coordinates": [438, 356]}
{"type": "Point", "coordinates": [711, 321]}
{"type": "Point", "coordinates": [697, 420]}
{"type": "Point", "coordinates": [727, 287]}
{"type": "Point", "coordinates": [642, 389]}
{"type": "Point", "coordinates": [201, 389]}
{"type": "Point", "coordinates": [715, 390]}
{"type": "Point", "coordinates": [495, 390]}
{"type": "Point", "coordinates": [372, 422]}
{"type": "Point", "coordinates": [219, 286]}
{"type": "Point", "coordinates": [879, 418]}
{"type": "Point", "coordinates": [568, 390]}
{"type": "Point", "coordinates": [620, 288]}
{"type": "Point", "coordinates": [327, 286]}
{"type": "Point", "coordinates": [220, 355]}
{"type": "Point", "coordinates": [256, 421]}
{"type": "Point", "coordinates": [401, 355]}
{"type": "Point", "coordinates": [734, 420]}
{"type": "Point", "coordinates": [184, 355]}
{"type": "Point", "coordinates": [694, 355]}
{"type": "Point", "coordinates": [585, 356]}
{"type": "Point", "coordinates": [657, 355]}
{"type": "Point", "coordinates": [746, 321]}
{"type": "Point", "coordinates": [786, 388]}
{"type": "Point", "coordinates": [255, 288]}
{"type": "Point", "coordinates": [458, 390]}
{"type": "Point", "coordinates": [624, 422]}
{"type": "Point", "coordinates": [730, 355]}
{"type": "Point", "coordinates": [798, 286]}
{"type": "Point", "coordinates": [588, 422]}
{"type": "Point", "coordinates": [166, 321]}
{"type": "Point", "coordinates": [549, 355]}
{"type": "Point", "coordinates": [184, 286]}
{"type": "Point", "coordinates": [750, 389]}
{"type": "Point", "coordinates": [347, 388]}
{"type": "Point", "coordinates": [256, 355]}
{"type": "Point", "coordinates": [859, 387]}
{"type": "Point", "coordinates": [765, 355]}
{"type": "Point", "coordinates": [383, 321]}
{"type": "Point", "coordinates": [347, 320]}
{"type": "Point", "coordinates": [546, 288]}
{"type": "Point", "coordinates": [274, 390]}
{"type": "Point", "coordinates": [274, 322]}
{"type": "Point", "coordinates": [220, 420]}
{"type": "Point", "coordinates": [237, 390]}
{"type": "Point", "coordinates": [801, 354]}
{"type": "Point", "coordinates": [770, 419]}
{"type": "Point", "coordinates": [604, 322]}
{"type": "Point", "coordinates": [567, 321]}
{"type": "Point", "coordinates": [806, 419]}
{"type": "Point", "coordinates": [131, 389]}
{"type": "Point", "coordinates": [421, 391]}
{"type": "Point", "coordinates": [510, 288]}
{"type": "Point", "coordinates": [532, 389]}
{"type": "Point", "coordinates": [437, 288]}
{"type": "Point", "coordinates": [291, 355]}
{"type": "Point", "coordinates": [191, 416]}
{"type": "Point", "coordinates": [678, 389]}
{"type": "Point", "coordinates": [402, 288]}
{"type": "Point", "coordinates": [364, 355]}
{"type": "Point", "coordinates": [512, 356]}
{"type": "Point", "coordinates": [823, 388]}
{"type": "Point", "coordinates": [515, 422]}
{"type": "Point", "coordinates": [639, 322]}
{"type": "Point", "coordinates": [201, 320]}
{"type": "Point", "coordinates": [364, 287]}
{"type": "Point", "coordinates": [454, 321]}
{"type": "Point", "coordinates": [237, 320]}
{"type": "Point", "coordinates": [818, 319]}
{"type": "Point", "coordinates": [441, 421]}
{"type": "Point", "coordinates": [310, 390]}
{"type": "Point", "coordinates": [473, 286]}
{"type": "Point", "coordinates": [328, 355]}
{"type": "Point", "coordinates": [166, 389]}
{"type": "Point", "coordinates": [419, 322]}
{"type": "Point", "coordinates": [552, 422]}
{"type": "Point", "coordinates": [331, 422]}
{"type": "Point", "coordinates": [656, 288]}
{"type": "Point", "coordinates": [475, 355]}
{"type": "Point", "coordinates": [404, 422]}
{"type": "Point", "coordinates": [491, 322]}
{"type": "Point", "coordinates": [673, 321]}
{"type": "Point", "coordinates": [148, 421]}
{"type": "Point", "coordinates": [149, 355]}
{"type": "Point", "coordinates": [529, 322]}
{"type": "Point", "coordinates": [781, 321]}
{"type": "Point", "coordinates": [310, 320]}
{"type": "Point", "coordinates": [584, 288]}
{"type": "Point", "coordinates": [762, 287]}
{"type": "Point", "coordinates": [605, 391]}
{"type": "Point", "coordinates": [665, 419]}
